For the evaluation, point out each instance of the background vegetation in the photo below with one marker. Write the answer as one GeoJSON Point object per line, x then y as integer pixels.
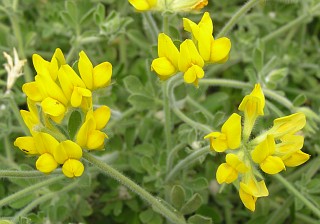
{"type": "Point", "coordinates": [276, 43]}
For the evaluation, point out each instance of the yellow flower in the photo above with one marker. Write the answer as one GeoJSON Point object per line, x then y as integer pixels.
{"type": "Point", "coordinates": [168, 5]}
{"type": "Point", "coordinates": [43, 144]}
{"type": "Point", "coordinates": [228, 172]}
{"type": "Point", "coordinates": [250, 190]}
{"type": "Point", "coordinates": [166, 64]}
{"type": "Point", "coordinates": [288, 125]}
{"type": "Point", "coordinates": [229, 137]}
{"type": "Point", "coordinates": [190, 62]}
{"type": "Point", "coordinates": [288, 145]}
{"type": "Point", "coordinates": [89, 135]}
{"type": "Point", "coordinates": [94, 77]}
{"type": "Point", "coordinates": [211, 50]}
{"type": "Point", "coordinates": [263, 155]}
{"type": "Point", "coordinates": [69, 153]}
{"type": "Point", "coordinates": [143, 5]}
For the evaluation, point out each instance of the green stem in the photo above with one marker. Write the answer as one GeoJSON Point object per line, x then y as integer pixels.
{"type": "Point", "coordinates": [236, 17]}
{"type": "Point", "coordinates": [293, 23]}
{"type": "Point", "coordinates": [152, 27]}
{"type": "Point", "coordinates": [29, 190]}
{"type": "Point", "coordinates": [24, 174]}
{"type": "Point", "coordinates": [241, 85]}
{"type": "Point", "coordinates": [173, 83]}
{"type": "Point", "coordinates": [171, 155]}
{"type": "Point", "coordinates": [8, 149]}
{"type": "Point", "coordinates": [156, 203]}
{"type": "Point", "coordinates": [42, 199]}
{"type": "Point", "coordinates": [167, 116]}
{"type": "Point", "coordinates": [297, 194]}
{"type": "Point", "coordinates": [190, 159]}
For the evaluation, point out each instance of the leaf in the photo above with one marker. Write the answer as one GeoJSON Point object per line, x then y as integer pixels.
{"type": "Point", "coordinates": [192, 204]}
{"type": "Point", "coordinates": [74, 123]}
{"type": "Point", "coordinates": [99, 14]}
{"type": "Point", "coordinates": [198, 184]}
{"type": "Point", "coordinates": [257, 56]}
{"type": "Point", "coordinates": [177, 196]}
{"type": "Point", "coordinates": [146, 216]}
{"type": "Point", "coordinates": [197, 219]}
{"type": "Point", "coordinates": [141, 102]}
{"type": "Point", "coordinates": [299, 100]}
{"type": "Point", "coordinates": [133, 85]}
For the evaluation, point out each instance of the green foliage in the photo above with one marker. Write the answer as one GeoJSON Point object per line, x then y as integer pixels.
{"type": "Point", "coordinates": [285, 63]}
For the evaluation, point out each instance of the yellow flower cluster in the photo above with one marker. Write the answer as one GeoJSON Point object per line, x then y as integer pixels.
{"type": "Point", "coordinates": [56, 92]}
{"type": "Point", "coordinates": [272, 151]}
{"type": "Point", "coordinates": [193, 54]}
{"type": "Point", "coordinates": [168, 5]}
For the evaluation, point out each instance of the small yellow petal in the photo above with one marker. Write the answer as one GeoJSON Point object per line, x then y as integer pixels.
{"type": "Point", "coordinates": [296, 159]}
{"type": "Point", "coordinates": [26, 144]}
{"type": "Point", "coordinates": [232, 129]}
{"type": "Point", "coordinates": [86, 128]}
{"type": "Point", "coordinates": [52, 107]}
{"type": "Point", "coordinates": [189, 56]}
{"type": "Point", "coordinates": [32, 91]}
{"type": "Point", "coordinates": [167, 49]}
{"type": "Point", "coordinates": [67, 150]}
{"type": "Point", "coordinates": [288, 125]}
{"type": "Point", "coordinates": [248, 200]}
{"type": "Point", "coordinates": [234, 161]}
{"type": "Point", "coordinates": [163, 67]}
{"type": "Point", "coordinates": [85, 69]}
{"type": "Point", "coordinates": [272, 165]}
{"type": "Point", "coordinates": [143, 5]}
{"type": "Point", "coordinates": [45, 143]}
{"type": "Point", "coordinates": [263, 150]}
{"type": "Point", "coordinates": [220, 49]}
{"type": "Point", "coordinates": [218, 141]}
{"type": "Point", "coordinates": [59, 56]}
{"type": "Point", "coordinates": [77, 96]}
{"type": "Point", "coordinates": [72, 168]}
{"type": "Point", "coordinates": [226, 174]}
{"type": "Point", "coordinates": [102, 75]}
{"type": "Point", "coordinates": [46, 163]}
{"type": "Point", "coordinates": [96, 140]}
{"type": "Point", "coordinates": [193, 74]}
{"type": "Point", "coordinates": [101, 116]}
{"type": "Point", "coordinates": [41, 66]}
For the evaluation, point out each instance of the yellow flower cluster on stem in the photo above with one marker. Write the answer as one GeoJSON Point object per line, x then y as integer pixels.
{"type": "Point", "coordinates": [271, 151]}
{"type": "Point", "coordinates": [192, 54]}
{"type": "Point", "coordinates": [168, 5]}
{"type": "Point", "coordinates": [56, 92]}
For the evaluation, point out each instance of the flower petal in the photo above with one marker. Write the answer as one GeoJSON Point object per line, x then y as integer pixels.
{"type": "Point", "coordinates": [263, 150]}
{"type": "Point", "coordinates": [272, 165]}
{"type": "Point", "coordinates": [226, 174]}
{"type": "Point", "coordinates": [218, 141]}
{"type": "Point", "coordinates": [248, 200]}
{"type": "Point", "coordinates": [96, 140]}
{"type": "Point", "coordinates": [102, 116]}
{"type": "Point", "coordinates": [52, 107]}
{"type": "Point", "coordinates": [102, 75]}
{"type": "Point", "coordinates": [189, 56]}
{"type": "Point", "coordinates": [85, 69]}
{"type": "Point", "coordinates": [296, 159]}
{"type": "Point", "coordinates": [32, 91]}
{"type": "Point", "coordinates": [67, 150]}
{"type": "Point", "coordinates": [46, 163]}
{"type": "Point", "coordinates": [167, 49]}
{"type": "Point", "coordinates": [72, 168]}
{"type": "Point", "coordinates": [220, 49]}
{"type": "Point", "coordinates": [232, 129]}
{"type": "Point", "coordinates": [163, 67]}
{"type": "Point", "coordinates": [26, 144]}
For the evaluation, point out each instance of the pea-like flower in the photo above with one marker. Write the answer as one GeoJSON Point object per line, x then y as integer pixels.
{"type": "Point", "coordinates": [166, 64]}
{"type": "Point", "coordinates": [229, 137]}
{"type": "Point", "coordinates": [211, 50]}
